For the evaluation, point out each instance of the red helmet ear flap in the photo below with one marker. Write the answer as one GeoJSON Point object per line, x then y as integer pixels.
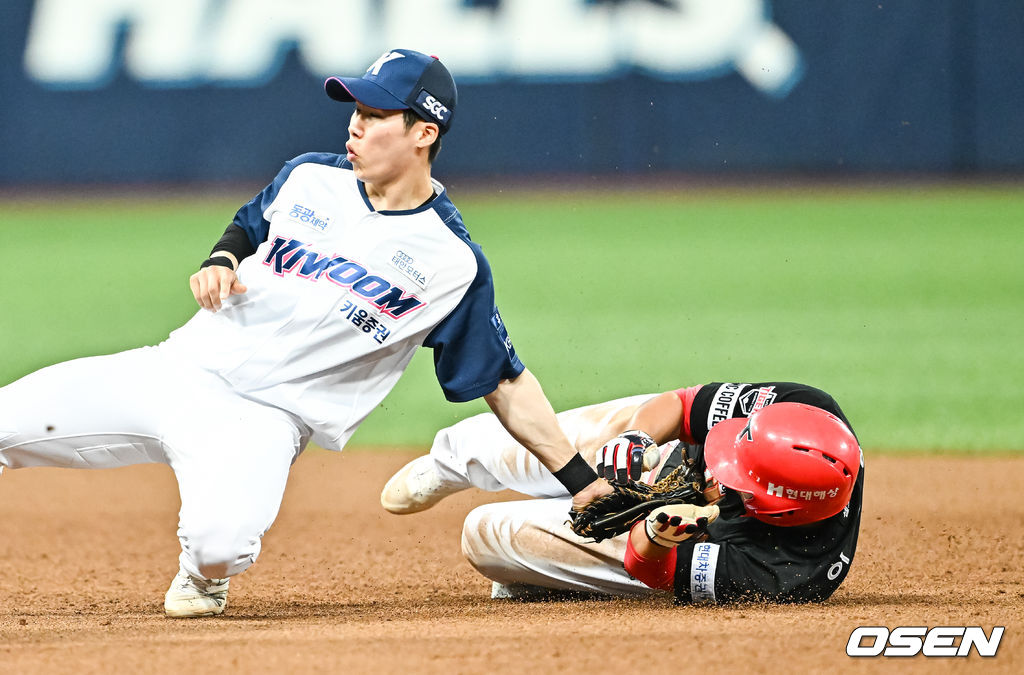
{"type": "Point", "coordinates": [797, 461]}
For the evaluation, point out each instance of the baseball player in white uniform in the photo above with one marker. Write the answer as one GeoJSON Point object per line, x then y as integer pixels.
{"type": "Point", "coordinates": [312, 304]}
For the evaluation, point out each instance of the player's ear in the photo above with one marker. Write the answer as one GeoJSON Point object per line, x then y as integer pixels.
{"type": "Point", "coordinates": [426, 134]}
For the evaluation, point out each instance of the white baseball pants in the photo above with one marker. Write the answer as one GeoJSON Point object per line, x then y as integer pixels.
{"type": "Point", "coordinates": [231, 455]}
{"type": "Point", "coordinates": [528, 542]}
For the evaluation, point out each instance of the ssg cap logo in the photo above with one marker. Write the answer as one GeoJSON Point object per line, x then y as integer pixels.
{"type": "Point", "coordinates": [433, 107]}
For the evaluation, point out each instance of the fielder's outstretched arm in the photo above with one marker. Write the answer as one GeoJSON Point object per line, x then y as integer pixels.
{"type": "Point", "coordinates": [525, 412]}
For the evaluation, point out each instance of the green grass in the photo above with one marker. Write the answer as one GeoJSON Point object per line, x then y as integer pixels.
{"type": "Point", "coordinates": [906, 304]}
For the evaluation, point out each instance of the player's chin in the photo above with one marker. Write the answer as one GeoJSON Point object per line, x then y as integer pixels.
{"type": "Point", "coordinates": [359, 169]}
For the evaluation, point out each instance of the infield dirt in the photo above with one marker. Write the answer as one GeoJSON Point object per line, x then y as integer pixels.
{"type": "Point", "coordinates": [342, 586]}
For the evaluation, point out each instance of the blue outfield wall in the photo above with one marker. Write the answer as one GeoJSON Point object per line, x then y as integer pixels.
{"type": "Point", "coordinates": [146, 90]}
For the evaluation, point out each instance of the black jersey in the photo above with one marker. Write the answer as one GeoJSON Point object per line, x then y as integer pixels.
{"type": "Point", "coordinates": [744, 558]}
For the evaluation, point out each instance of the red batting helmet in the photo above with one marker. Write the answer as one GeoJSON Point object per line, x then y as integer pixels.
{"type": "Point", "coordinates": [795, 463]}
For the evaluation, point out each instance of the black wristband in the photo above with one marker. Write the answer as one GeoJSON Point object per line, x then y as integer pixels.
{"type": "Point", "coordinates": [221, 260]}
{"type": "Point", "coordinates": [576, 474]}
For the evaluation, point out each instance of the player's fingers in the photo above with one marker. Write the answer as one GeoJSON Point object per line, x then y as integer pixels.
{"type": "Point", "coordinates": [213, 297]}
{"type": "Point", "coordinates": [193, 283]}
{"type": "Point", "coordinates": [237, 288]}
{"type": "Point", "coordinates": [713, 490]}
{"type": "Point", "coordinates": [224, 283]}
{"type": "Point", "coordinates": [622, 462]}
{"type": "Point", "coordinates": [211, 288]}
{"type": "Point", "coordinates": [670, 525]}
{"type": "Point", "coordinates": [610, 452]}
{"type": "Point", "coordinates": [200, 289]}
{"type": "Point", "coordinates": [602, 465]}
{"type": "Point", "coordinates": [602, 461]}
{"type": "Point", "coordinates": [636, 462]}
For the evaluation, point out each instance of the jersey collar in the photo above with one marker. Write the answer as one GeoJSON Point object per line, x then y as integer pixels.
{"type": "Point", "coordinates": [429, 204]}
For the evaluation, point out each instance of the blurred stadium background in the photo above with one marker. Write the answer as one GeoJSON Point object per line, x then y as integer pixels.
{"type": "Point", "coordinates": [670, 191]}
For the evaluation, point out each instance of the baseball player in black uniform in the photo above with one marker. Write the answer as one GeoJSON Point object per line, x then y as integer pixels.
{"type": "Point", "coordinates": [785, 475]}
{"type": "Point", "coordinates": [789, 514]}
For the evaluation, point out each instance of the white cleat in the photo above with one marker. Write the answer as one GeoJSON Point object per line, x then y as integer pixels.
{"type": "Point", "coordinates": [416, 487]}
{"type": "Point", "coordinates": [191, 596]}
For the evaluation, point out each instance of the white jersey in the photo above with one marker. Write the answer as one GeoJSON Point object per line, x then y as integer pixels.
{"type": "Point", "coordinates": [340, 296]}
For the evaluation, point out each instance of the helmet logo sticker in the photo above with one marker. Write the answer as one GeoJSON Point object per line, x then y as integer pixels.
{"type": "Point", "coordinates": [746, 433]}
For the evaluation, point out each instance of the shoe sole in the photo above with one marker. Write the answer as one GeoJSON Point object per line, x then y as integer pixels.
{"type": "Point", "coordinates": [191, 613]}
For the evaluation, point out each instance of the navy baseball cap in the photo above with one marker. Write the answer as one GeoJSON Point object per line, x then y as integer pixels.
{"type": "Point", "coordinates": [402, 79]}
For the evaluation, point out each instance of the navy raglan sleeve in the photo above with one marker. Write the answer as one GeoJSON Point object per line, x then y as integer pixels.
{"type": "Point", "coordinates": [472, 349]}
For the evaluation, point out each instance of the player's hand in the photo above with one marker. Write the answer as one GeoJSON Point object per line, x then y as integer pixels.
{"type": "Point", "coordinates": [626, 456]}
{"type": "Point", "coordinates": [671, 525]}
{"type": "Point", "coordinates": [599, 488]}
{"type": "Point", "coordinates": [713, 490]}
{"type": "Point", "coordinates": [214, 284]}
